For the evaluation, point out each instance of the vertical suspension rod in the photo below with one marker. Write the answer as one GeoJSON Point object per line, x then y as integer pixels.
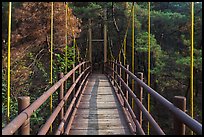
{"type": "Point", "coordinates": [192, 43]}
{"type": "Point", "coordinates": [66, 46]}
{"type": "Point", "coordinates": [148, 98]}
{"type": "Point", "coordinates": [133, 51]}
{"type": "Point", "coordinates": [9, 55]}
{"type": "Point", "coordinates": [51, 39]}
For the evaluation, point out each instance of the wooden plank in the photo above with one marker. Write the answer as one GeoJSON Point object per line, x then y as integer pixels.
{"type": "Point", "coordinates": [97, 116]}
{"type": "Point", "coordinates": [102, 79]}
{"type": "Point", "coordinates": [98, 84]}
{"type": "Point", "coordinates": [87, 121]}
{"type": "Point", "coordinates": [91, 88]}
{"type": "Point", "coordinates": [98, 111]}
{"type": "Point", "coordinates": [104, 96]}
{"type": "Point", "coordinates": [93, 104]}
{"type": "Point", "coordinates": [116, 131]}
{"type": "Point", "coordinates": [98, 99]}
{"type": "Point", "coordinates": [99, 92]}
{"type": "Point", "coordinates": [97, 126]}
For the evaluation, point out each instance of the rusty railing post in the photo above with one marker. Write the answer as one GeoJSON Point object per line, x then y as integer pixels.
{"type": "Point", "coordinates": [23, 103]}
{"type": "Point", "coordinates": [82, 69]}
{"type": "Point", "coordinates": [73, 79]}
{"type": "Point", "coordinates": [113, 74]}
{"type": "Point", "coordinates": [127, 77]}
{"type": "Point", "coordinates": [123, 88]}
{"type": "Point", "coordinates": [116, 69]}
{"type": "Point", "coordinates": [111, 66]}
{"type": "Point", "coordinates": [91, 66]}
{"type": "Point", "coordinates": [80, 78]}
{"type": "Point", "coordinates": [84, 65]}
{"type": "Point", "coordinates": [139, 94]}
{"type": "Point", "coordinates": [120, 73]}
{"type": "Point", "coordinates": [60, 97]}
{"type": "Point", "coordinates": [179, 127]}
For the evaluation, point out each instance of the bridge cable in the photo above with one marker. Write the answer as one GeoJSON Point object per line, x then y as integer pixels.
{"type": "Point", "coordinates": [74, 40]}
{"type": "Point", "coordinates": [121, 48]}
{"type": "Point", "coordinates": [78, 53]}
{"type": "Point", "coordinates": [133, 51]}
{"type": "Point", "coordinates": [109, 47]}
{"type": "Point", "coordinates": [52, 8]}
{"type": "Point", "coordinates": [125, 37]}
{"type": "Point", "coordinates": [192, 42]}
{"type": "Point", "coordinates": [74, 46]}
{"type": "Point", "coordinates": [148, 98]}
{"type": "Point", "coordinates": [9, 55]}
{"type": "Point", "coordinates": [86, 54]}
{"type": "Point", "coordinates": [66, 45]}
{"type": "Point", "coordinates": [124, 41]}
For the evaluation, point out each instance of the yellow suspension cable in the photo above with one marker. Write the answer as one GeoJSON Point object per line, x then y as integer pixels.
{"type": "Point", "coordinates": [192, 42]}
{"type": "Point", "coordinates": [133, 51]}
{"type": "Point", "coordinates": [120, 56]}
{"type": "Point", "coordinates": [66, 46]}
{"type": "Point", "coordinates": [112, 57]}
{"type": "Point", "coordinates": [51, 58]}
{"type": "Point", "coordinates": [78, 53]}
{"type": "Point", "coordinates": [86, 54]}
{"type": "Point", "coordinates": [111, 52]}
{"type": "Point", "coordinates": [74, 45]}
{"type": "Point", "coordinates": [124, 43]}
{"type": "Point", "coordinates": [125, 36]}
{"type": "Point", "coordinates": [74, 41]}
{"type": "Point", "coordinates": [9, 55]}
{"type": "Point", "coordinates": [148, 100]}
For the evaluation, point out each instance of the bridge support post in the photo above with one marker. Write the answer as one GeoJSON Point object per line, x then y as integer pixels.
{"type": "Point", "coordinates": [73, 80]}
{"type": "Point", "coordinates": [116, 69]}
{"type": "Point", "coordinates": [120, 73]}
{"type": "Point", "coordinates": [60, 97]}
{"type": "Point", "coordinates": [179, 127]}
{"type": "Point", "coordinates": [105, 38]}
{"type": "Point", "coordinates": [113, 73]}
{"type": "Point", "coordinates": [127, 77]}
{"type": "Point", "coordinates": [139, 94]}
{"type": "Point", "coordinates": [23, 103]}
{"type": "Point", "coordinates": [90, 41]}
{"type": "Point", "coordinates": [78, 75]}
{"type": "Point", "coordinates": [82, 69]}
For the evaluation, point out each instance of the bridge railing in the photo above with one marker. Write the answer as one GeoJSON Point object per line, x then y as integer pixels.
{"type": "Point", "coordinates": [115, 75]}
{"type": "Point", "coordinates": [84, 69]}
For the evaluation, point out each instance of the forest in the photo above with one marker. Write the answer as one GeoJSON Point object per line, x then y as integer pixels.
{"type": "Point", "coordinates": [170, 48]}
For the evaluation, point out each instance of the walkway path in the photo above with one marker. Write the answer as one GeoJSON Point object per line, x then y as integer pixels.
{"type": "Point", "coordinates": [99, 111]}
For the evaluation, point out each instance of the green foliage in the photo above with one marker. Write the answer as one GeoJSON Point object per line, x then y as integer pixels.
{"type": "Point", "coordinates": [4, 99]}
{"type": "Point", "coordinates": [87, 10]}
{"type": "Point", "coordinates": [13, 102]}
{"type": "Point", "coordinates": [142, 43]}
{"type": "Point", "coordinates": [59, 63]}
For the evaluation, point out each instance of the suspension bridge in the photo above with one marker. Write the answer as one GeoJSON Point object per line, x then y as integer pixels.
{"type": "Point", "coordinates": [107, 101]}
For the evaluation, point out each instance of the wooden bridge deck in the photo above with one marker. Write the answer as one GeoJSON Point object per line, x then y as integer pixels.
{"type": "Point", "coordinates": [99, 112]}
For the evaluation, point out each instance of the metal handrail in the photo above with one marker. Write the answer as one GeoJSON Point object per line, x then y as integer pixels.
{"type": "Point", "coordinates": [50, 120]}
{"type": "Point", "coordinates": [182, 116]}
{"type": "Point", "coordinates": [13, 126]}
{"type": "Point", "coordinates": [139, 104]}
{"type": "Point", "coordinates": [61, 125]}
{"type": "Point", "coordinates": [138, 126]}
